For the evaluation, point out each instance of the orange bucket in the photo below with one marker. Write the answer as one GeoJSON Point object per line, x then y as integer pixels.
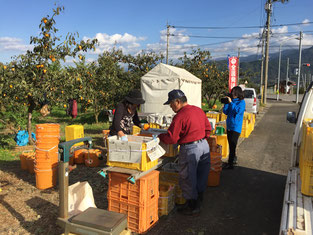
{"type": "Point", "coordinates": [45, 165]}
{"type": "Point", "coordinates": [23, 158]}
{"type": "Point", "coordinates": [46, 178]}
{"type": "Point", "coordinates": [23, 161]}
{"type": "Point", "coordinates": [215, 169]}
{"type": "Point", "coordinates": [91, 157]}
{"type": "Point", "coordinates": [47, 130]}
{"type": "Point", "coordinates": [79, 156]}
{"type": "Point", "coordinates": [47, 142]}
{"type": "Point", "coordinates": [30, 164]}
{"type": "Point", "coordinates": [214, 178]}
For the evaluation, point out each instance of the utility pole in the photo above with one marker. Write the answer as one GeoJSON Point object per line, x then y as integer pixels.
{"type": "Point", "coordinates": [238, 64]}
{"type": "Point", "coordinates": [287, 70]}
{"type": "Point", "coordinates": [168, 41]}
{"type": "Point", "coordinates": [299, 70]}
{"type": "Point", "coordinates": [268, 8]}
{"type": "Point", "coordinates": [278, 76]}
{"type": "Point", "coordinates": [262, 69]}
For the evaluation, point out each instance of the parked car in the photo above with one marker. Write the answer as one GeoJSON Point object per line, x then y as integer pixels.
{"type": "Point", "coordinates": [252, 101]}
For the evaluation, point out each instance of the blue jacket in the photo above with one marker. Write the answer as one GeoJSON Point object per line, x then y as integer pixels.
{"type": "Point", "coordinates": [234, 111]}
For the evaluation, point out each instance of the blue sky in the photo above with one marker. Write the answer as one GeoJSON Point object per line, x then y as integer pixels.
{"type": "Point", "coordinates": [141, 24]}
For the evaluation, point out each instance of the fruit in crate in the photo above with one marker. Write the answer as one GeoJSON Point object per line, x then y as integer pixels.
{"type": "Point", "coordinates": [146, 126]}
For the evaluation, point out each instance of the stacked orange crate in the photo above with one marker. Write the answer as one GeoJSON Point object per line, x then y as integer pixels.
{"type": "Point", "coordinates": [139, 201]}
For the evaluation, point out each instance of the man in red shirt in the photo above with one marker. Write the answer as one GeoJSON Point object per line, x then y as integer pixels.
{"type": "Point", "coordinates": [190, 128]}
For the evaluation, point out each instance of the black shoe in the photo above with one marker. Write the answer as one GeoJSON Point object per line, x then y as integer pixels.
{"type": "Point", "coordinates": [228, 166]}
{"type": "Point", "coordinates": [191, 209]}
{"type": "Point", "coordinates": [235, 161]}
{"type": "Point", "coordinates": [181, 207]}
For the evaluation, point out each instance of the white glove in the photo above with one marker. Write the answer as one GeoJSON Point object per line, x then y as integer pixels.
{"type": "Point", "coordinates": [124, 138]}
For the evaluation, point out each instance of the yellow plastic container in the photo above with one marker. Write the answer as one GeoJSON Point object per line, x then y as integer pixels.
{"type": "Point", "coordinates": [307, 178]}
{"type": "Point", "coordinates": [307, 140]}
{"type": "Point", "coordinates": [306, 147]}
{"type": "Point", "coordinates": [173, 177]}
{"type": "Point", "coordinates": [144, 165]}
{"type": "Point", "coordinates": [74, 132]}
{"type": "Point", "coordinates": [154, 125]}
{"type": "Point", "coordinates": [245, 132]}
{"type": "Point", "coordinates": [214, 115]}
{"type": "Point", "coordinates": [222, 141]}
{"type": "Point", "coordinates": [172, 150]}
{"type": "Point", "coordinates": [223, 117]}
{"type": "Point", "coordinates": [136, 130]}
{"type": "Point", "coordinates": [166, 198]}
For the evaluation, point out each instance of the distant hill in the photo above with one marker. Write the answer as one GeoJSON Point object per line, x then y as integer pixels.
{"type": "Point", "coordinates": [253, 64]}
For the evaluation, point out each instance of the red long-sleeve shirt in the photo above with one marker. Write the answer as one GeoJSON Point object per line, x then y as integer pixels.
{"type": "Point", "coordinates": [188, 125]}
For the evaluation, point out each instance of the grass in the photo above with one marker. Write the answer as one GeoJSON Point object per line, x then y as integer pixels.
{"type": "Point", "coordinates": [57, 115]}
{"type": "Point", "coordinates": [7, 155]}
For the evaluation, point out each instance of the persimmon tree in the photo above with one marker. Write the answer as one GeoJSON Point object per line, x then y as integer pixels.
{"type": "Point", "coordinates": [214, 80]}
{"type": "Point", "coordinates": [37, 76]}
{"type": "Point", "coordinates": [140, 64]}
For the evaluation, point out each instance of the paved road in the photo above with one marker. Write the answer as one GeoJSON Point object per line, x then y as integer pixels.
{"type": "Point", "coordinates": [249, 198]}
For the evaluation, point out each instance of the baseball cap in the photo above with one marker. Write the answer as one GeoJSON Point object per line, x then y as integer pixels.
{"type": "Point", "coordinates": [174, 94]}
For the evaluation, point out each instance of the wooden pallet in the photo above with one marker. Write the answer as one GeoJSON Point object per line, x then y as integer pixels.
{"type": "Point", "coordinates": [297, 213]}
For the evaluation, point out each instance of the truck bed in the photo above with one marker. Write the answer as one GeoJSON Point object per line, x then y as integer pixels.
{"type": "Point", "coordinates": [297, 215]}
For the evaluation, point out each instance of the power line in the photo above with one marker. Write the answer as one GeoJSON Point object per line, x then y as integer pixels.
{"type": "Point", "coordinates": [218, 37]}
{"type": "Point", "coordinates": [236, 27]}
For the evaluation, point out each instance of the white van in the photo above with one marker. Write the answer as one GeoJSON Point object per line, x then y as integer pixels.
{"type": "Point", "coordinates": [297, 213]}
{"type": "Point", "coordinates": [252, 101]}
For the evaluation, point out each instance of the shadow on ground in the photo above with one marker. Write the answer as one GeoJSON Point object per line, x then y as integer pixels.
{"type": "Point", "coordinates": [43, 223]}
{"type": "Point", "coordinates": [247, 201]}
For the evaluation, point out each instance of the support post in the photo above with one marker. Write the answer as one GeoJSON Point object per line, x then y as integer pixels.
{"type": "Point", "coordinates": [268, 8]}
{"type": "Point", "coordinates": [278, 76]}
{"type": "Point", "coordinates": [287, 70]}
{"type": "Point", "coordinates": [167, 41]}
{"type": "Point", "coordinates": [299, 70]}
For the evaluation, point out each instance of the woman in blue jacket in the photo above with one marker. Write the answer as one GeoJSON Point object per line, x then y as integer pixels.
{"type": "Point", "coordinates": [234, 111]}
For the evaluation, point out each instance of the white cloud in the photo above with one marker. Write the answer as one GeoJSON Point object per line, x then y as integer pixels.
{"type": "Point", "coordinates": [127, 43]}
{"type": "Point", "coordinates": [306, 21]}
{"type": "Point", "coordinates": [180, 36]}
{"type": "Point", "coordinates": [13, 44]}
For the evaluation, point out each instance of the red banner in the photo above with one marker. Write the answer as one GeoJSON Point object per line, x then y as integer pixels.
{"type": "Point", "coordinates": [233, 72]}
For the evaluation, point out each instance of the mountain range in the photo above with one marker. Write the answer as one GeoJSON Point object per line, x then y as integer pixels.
{"type": "Point", "coordinates": [252, 64]}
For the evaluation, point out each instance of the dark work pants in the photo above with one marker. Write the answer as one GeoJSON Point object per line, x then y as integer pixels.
{"type": "Point", "coordinates": [232, 137]}
{"type": "Point", "coordinates": [194, 166]}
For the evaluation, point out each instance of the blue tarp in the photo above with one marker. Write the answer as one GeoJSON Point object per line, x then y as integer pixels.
{"type": "Point", "coordinates": [21, 138]}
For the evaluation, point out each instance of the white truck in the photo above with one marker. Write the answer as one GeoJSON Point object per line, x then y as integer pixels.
{"type": "Point", "coordinates": [297, 212]}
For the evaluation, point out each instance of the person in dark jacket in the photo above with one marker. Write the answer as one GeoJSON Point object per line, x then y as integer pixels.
{"type": "Point", "coordinates": [126, 114]}
{"type": "Point", "coordinates": [234, 111]}
{"type": "Point", "coordinates": [190, 128]}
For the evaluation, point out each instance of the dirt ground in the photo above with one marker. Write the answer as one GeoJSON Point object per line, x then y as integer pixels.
{"type": "Point", "coordinates": [247, 201]}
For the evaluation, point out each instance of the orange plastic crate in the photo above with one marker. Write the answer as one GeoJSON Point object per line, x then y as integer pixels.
{"type": "Point", "coordinates": [145, 190]}
{"type": "Point", "coordinates": [139, 218]}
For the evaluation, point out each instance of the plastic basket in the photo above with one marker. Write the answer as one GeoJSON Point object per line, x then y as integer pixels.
{"type": "Point", "coordinates": [223, 117]}
{"type": "Point", "coordinates": [145, 190]}
{"type": "Point", "coordinates": [173, 177]}
{"type": "Point", "coordinates": [307, 178]}
{"type": "Point", "coordinates": [222, 141]}
{"type": "Point", "coordinates": [134, 152]}
{"type": "Point", "coordinates": [139, 218]}
{"type": "Point", "coordinates": [214, 115]}
{"type": "Point", "coordinates": [74, 132]}
{"type": "Point", "coordinates": [166, 198]}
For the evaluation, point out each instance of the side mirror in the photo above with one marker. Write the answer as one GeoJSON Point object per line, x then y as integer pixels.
{"type": "Point", "coordinates": [291, 117]}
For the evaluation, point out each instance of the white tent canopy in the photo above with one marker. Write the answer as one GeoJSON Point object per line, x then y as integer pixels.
{"type": "Point", "coordinates": [163, 78]}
